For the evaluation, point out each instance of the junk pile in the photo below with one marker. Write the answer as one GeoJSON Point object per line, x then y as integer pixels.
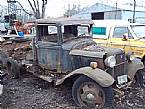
{"type": "Point", "coordinates": [12, 53]}
{"type": "Point", "coordinates": [16, 48]}
{"type": "Point", "coordinates": [19, 30]}
{"type": "Point", "coordinates": [16, 43]}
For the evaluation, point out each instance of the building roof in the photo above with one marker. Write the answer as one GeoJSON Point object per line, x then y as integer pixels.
{"type": "Point", "coordinates": [99, 7]}
{"type": "Point", "coordinates": [131, 8]}
{"type": "Point", "coordinates": [63, 21]}
{"type": "Point", "coordinates": [110, 22]}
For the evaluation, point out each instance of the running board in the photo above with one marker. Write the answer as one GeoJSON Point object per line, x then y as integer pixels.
{"type": "Point", "coordinates": [44, 77]}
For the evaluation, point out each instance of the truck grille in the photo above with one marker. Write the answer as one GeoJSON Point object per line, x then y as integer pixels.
{"type": "Point", "coordinates": [120, 58]}
{"type": "Point", "coordinates": [120, 68]}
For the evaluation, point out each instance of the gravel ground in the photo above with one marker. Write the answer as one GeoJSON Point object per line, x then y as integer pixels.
{"type": "Point", "coordinates": [29, 92]}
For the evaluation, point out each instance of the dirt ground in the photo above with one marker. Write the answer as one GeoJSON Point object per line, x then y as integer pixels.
{"type": "Point", "coordinates": [29, 92]}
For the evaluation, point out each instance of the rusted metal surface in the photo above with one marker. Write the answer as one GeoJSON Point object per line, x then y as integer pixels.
{"type": "Point", "coordinates": [87, 53]}
{"type": "Point", "coordinates": [98, 75]}
{"type": "Point", "coordinates": [48, 56]}
{"type": "Point", "coordinates": [91, 93]}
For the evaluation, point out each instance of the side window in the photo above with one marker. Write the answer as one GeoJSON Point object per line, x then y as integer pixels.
{"type": "Point", "coordinates": [99, 30]}
{"type": "Point", "coordinates": [120, 31]}
{"type": "Point", "coordinates": [47, 33]}
{"type": "Point", "coordinates": [52, 30]}
{"type": "Point", "coordinates": [69, 32]}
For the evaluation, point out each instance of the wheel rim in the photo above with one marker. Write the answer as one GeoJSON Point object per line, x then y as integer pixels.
{"type": "Point", "coordinates": [90, 94]}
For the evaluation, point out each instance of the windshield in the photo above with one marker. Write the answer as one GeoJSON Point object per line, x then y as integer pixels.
{"type": "Point", "coordinates": [139, 31]}
{"type": "Point", "coordinates": [75, 31]}
{"type": "Point", "coordinates": [83, 30]}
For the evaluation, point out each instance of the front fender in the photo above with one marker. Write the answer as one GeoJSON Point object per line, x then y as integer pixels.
{"type": "Point", "coordinates": [101, 77]}
{"type": "Point", "coordinates": [133, 67]}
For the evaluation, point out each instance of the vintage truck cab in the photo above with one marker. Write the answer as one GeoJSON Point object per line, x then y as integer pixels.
{"type": "Point", "coordinates": [63, 50]}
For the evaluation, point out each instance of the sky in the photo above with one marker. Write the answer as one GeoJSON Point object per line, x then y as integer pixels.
{"type": "Point", "coordinates": [56, 8]}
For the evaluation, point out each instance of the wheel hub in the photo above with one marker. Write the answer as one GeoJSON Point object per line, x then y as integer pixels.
{"type": "Point", "coordinates": [90, 97]}
{"type": "Point", "coordinates": [91, 94]}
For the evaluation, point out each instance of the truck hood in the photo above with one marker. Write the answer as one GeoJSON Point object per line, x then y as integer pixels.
{"type": "Point", "coordinates": [77, 42]}
{"type": "Point", "coordinates": [87, 44]}
{"type": "Point", "coordinates": [143, 40]}
{"type": "Point", "coordinates": [87, 47]}
{"type": "Point", "coordinates": [138, 43]}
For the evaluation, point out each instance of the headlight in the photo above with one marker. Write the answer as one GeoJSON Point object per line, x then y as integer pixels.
{"type": "Point", "coordinates": [93, 65]}
{"type": "Point", "coordinates": [110, 61]}
{"type": "Point", "coordinates": [130, 57]}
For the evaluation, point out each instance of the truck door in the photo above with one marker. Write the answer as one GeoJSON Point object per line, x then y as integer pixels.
{"type": "Point", "coordinates": [138, 43]}
{"type": "Point", "coordinates": [48, 47]}
{"type": "Point", "coordinates": [121, 38]}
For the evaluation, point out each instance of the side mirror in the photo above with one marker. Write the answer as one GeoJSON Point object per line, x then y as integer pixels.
{"type": "Point", "coordinates": [125, 37]}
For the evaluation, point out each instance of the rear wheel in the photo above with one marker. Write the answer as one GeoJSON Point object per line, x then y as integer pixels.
{"type": "Point", "coordinates": [87, 93]}
{"type": "Point", "coordinates": [13, 68]}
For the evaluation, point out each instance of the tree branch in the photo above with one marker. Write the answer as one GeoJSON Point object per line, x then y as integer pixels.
{"type": "Point", "coordinates": [35, 4]}
{"type": "Point", "coordinates": [44, 2]}
{"type": "Point", "coordinates": [38, 7]}
{"type": "Point", "coordinates": [34, 11]}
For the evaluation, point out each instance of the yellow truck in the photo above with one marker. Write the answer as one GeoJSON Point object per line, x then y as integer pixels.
{"type": "Point", "coordinates": [120, 34]}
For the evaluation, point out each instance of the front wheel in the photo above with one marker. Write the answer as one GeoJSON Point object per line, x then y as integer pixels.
{"type": "Point", "coordinates": [87, 93]}
{"type": "Point", "coordinates": [140, 78]}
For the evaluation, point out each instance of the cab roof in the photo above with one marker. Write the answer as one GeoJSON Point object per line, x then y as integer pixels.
{"type": "Point", "coordinates": [111, 23]}
{"type": "Point", "coordinates": [64, 21]}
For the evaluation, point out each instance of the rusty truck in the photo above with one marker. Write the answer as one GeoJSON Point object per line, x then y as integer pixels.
{"type": "Point", "coordinates": [63, 51]}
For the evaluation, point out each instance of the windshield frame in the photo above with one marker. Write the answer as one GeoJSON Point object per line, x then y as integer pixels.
{"type": "Point", "coordinates": [139, 35]}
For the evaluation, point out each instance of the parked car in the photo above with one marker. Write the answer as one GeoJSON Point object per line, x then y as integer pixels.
{"type": "Point", "coordinates": [62, 53]}
{"type": "Point", "coordinates": [138, 29]}
{"type": "Point", "coordinates": [120, 34]}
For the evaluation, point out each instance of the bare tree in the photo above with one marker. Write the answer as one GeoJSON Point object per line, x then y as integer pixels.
{"type": "Point", "coordinates": [72, 10]}
{"type": "Point", "coordinates": [35, 5]}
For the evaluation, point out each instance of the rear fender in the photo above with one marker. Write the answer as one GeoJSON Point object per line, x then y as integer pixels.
{"type": "Point", "coordinates": [101, 77]}
{"type": "Point", "coordinates": [3, 58]}
{"type": "Point", "coordinates": [133, 67]}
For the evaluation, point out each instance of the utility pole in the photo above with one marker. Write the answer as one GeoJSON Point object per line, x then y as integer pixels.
{"type": "Point", "coordinates": [134, 11]}
{"type": "Point", "coordinates": [116, 10]}
{"type": "Point", "coordinates": [12, 10]}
